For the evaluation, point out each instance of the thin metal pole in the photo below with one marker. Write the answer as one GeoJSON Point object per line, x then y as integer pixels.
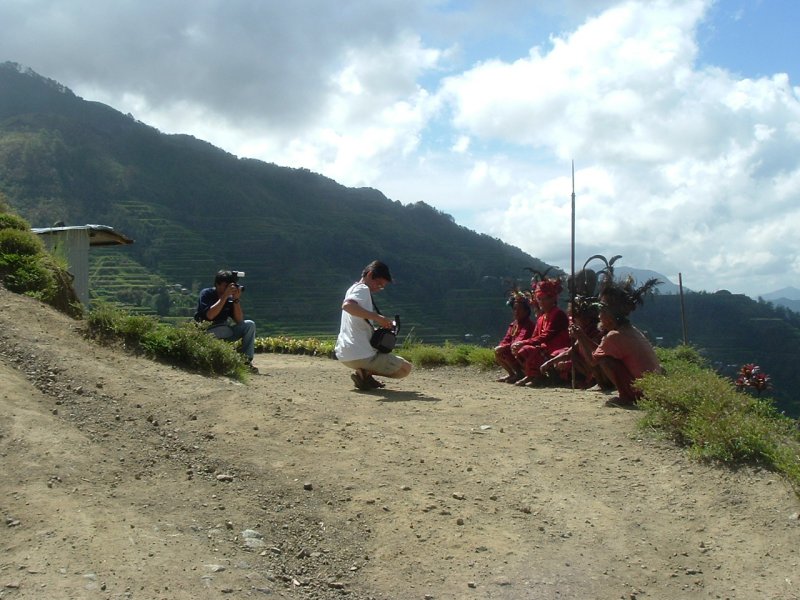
{"type": "Point", "coordinates": [683, 311]}
{"type": "Point", "coordinates": [572, 265]}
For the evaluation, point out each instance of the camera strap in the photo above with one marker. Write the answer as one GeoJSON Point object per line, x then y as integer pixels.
{"type": "Point", "coordinates": [375, 307]}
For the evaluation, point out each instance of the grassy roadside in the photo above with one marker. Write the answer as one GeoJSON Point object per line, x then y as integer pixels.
{"type": "Point", "coordinates": [705, 413]}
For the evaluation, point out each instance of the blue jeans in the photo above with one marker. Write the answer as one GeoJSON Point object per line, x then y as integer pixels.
{"type": "Point", "coordinates": [245, 331]}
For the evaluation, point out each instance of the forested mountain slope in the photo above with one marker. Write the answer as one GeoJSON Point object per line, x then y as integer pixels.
{"type": "Point", "coordinates": [193, 208]}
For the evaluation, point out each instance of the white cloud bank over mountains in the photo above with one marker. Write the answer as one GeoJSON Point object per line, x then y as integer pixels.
{"type": "Point", "coordinates": [475, 108]}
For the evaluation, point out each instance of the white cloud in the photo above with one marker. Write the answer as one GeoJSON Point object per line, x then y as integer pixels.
{"type": "Point", "coordinates": [680, 166]}
{"type": "Point", "coordinates": [671, 158]}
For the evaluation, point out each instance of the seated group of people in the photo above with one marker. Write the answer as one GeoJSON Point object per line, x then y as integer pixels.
{"type": "Point", "coordinates": [597, 340]}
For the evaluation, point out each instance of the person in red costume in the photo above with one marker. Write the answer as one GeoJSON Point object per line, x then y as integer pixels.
{"type": "Point", "coordinates": [550, 335]}
{"type": "Point", "coordinates": [520, 329]}
{"type": "Point", "coordinates": [583, 312]}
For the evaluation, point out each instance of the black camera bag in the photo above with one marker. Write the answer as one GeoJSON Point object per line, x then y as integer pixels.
{"type": "Point", "coordinates": [384, 339]}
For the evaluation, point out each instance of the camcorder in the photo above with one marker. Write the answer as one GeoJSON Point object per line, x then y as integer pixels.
{"type": "Point", "coordinates": [234, 279]}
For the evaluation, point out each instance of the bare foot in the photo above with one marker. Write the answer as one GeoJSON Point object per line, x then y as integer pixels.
{"type": "Point", "coordinates": [617, 402]}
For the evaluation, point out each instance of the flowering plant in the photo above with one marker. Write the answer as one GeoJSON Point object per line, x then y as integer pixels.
{"type": "Point", "coordinates": [752, 377]}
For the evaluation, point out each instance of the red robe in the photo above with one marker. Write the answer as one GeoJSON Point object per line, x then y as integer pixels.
{"type": "Point", "coordinates": [518, 331]}
{"type": "Point", "coordinates": [550, 335]}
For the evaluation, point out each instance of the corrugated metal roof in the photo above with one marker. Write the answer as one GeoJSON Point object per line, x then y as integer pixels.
{"type": "Point", "coordinates": [99, 235]}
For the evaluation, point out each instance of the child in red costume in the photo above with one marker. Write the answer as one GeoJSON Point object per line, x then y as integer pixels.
{"type": "Point", "coordinates": [520, 329]}
{"type": "Point", "coordinates": [550, 334]}
{"type": "Point", "coordinates": [583, 312]}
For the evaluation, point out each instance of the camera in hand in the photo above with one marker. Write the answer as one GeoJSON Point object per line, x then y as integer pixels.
{"type": "Point", "coordinates": [384, 340]}
{"type": "Point", "coordinates": [234, 279]}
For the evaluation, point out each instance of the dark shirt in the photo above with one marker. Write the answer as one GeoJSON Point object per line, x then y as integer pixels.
{"type": "Point", "coordinates": [209, 297]}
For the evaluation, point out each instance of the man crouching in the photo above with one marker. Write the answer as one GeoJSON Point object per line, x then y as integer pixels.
{"type": "Point", "coordinates": [352, 346]}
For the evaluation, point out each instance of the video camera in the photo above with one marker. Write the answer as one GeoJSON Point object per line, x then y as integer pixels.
{"type": "Point", "coordinates": [234, 278]}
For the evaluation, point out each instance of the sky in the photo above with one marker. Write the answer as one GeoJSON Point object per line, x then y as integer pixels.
{"type": "Point", "coordinates": [681, 117]}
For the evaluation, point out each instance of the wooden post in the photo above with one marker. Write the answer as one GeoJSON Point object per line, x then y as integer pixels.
{"type": "Point", "coordinates": [683, 311]}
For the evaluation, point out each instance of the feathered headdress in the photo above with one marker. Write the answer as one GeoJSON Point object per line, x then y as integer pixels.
{"type": "Point", "coordinates": [516, 295]}
{"type": "Point", "coordinates": [549, 287]}
{"type": "Point", "coordinates": [585, 306]}
{"type": "Point", "coordinates": [541, 283]}
{"type": "Point", "coordinates": [622, 297]}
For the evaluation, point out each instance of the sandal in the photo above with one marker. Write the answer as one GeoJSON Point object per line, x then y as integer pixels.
{"type": "Point", "coordinates": [374, 383]}
{"type": "Point", "coordinates": [360, 382]}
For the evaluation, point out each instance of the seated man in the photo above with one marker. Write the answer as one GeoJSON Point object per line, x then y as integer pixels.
{"type": "Point", "coordinates": [583, 312]}
{"type": "Point", "coordinates": [624, 354]}
{"type": "Point", "coordinates": [222, 306]}
{"type": "Point", "coordinates": [549, 336]}
{"type": "Point", "coordinates": [520, 329]}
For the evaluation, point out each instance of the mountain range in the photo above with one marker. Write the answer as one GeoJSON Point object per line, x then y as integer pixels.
{"type": "Point", "coordinates": [192, 209]}
{"type": "Point", "coordinates": [302, 238]}
{"type": "Point", "coordinates": [788, 297]}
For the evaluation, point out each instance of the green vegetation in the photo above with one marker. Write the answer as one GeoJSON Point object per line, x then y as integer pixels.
{"type": "Point", "coordinates": [699, 409]}
{"type": "Point", "coordinates": [186, 346]}
{"type": "Point", "coordinates": [288, 345]}
{"type": "Point", "coordinates": [27, 268]}
{"type": "Point", "coordinates": [423, 355]}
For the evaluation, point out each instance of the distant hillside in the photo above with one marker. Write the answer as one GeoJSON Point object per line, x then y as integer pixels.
{"type": "Point", "coordinates": [787, 293]}
{"type": "Point", "coordinates": [193, 208]}
{"type": "Point", "coordinates": [788, 297]}
{"type": "Point", "coordinates": [731, 330]}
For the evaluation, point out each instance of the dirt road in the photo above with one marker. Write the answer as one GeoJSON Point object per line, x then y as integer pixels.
{"type": "Point", "coordinates": [123, 478]}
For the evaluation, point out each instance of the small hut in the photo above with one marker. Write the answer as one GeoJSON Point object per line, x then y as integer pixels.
{"type": "Point", "coordinates": [73, 244]}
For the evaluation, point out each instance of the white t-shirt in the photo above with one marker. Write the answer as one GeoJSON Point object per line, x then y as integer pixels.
{"type": "Point", "coordinates": [355, 332]}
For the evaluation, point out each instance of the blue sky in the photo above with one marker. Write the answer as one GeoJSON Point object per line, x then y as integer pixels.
{"type": "Point", "coordinates": [682, 116]}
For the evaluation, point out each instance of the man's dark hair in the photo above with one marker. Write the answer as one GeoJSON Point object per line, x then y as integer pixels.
{"type": "Point", "coordinates": [225, 277]}
{"type": "Point", "coordinates": [378, 269]}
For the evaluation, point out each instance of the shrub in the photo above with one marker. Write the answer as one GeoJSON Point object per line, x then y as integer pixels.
{"type": "Point", "coordinates": [24, 243]}
{"type": "Point", "coordinates": [287, 345]}
{"type": "Point", "coordinates": [425, 356]}
{"type": "Point", "coordinates": [448, 354]}
{"type": "Point", "coordinates": [26, 268]}
{"type": "Point", "coordinates": [9, 221]}
{"type": "Point", "coordinates": [187, 346]}
{"type": "Point", "coordinates": [702, 410]}
{"type": "Point", "coordinates": [27, 274]}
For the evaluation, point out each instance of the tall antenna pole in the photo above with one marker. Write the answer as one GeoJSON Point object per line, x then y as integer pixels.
{"type": "Point", "coordinates": [572, 243]}
{"type": "Point", "coordinates": [572, 263]}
